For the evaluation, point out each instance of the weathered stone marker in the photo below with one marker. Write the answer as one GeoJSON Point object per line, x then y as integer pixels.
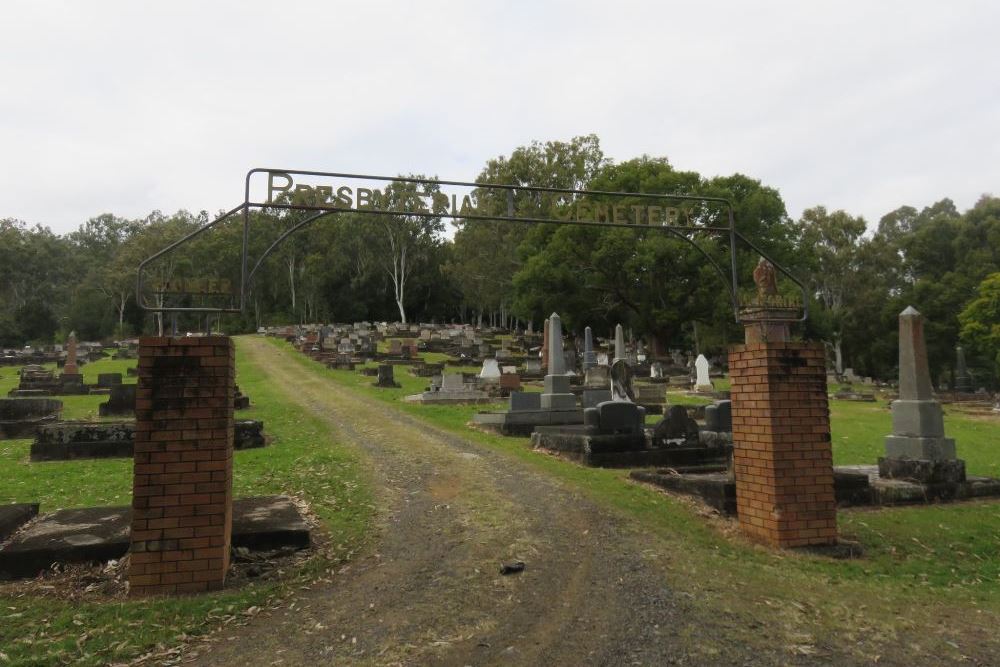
{"type": "Point", "coordinates": [917, 448]}
{"type": "Point", "coordinates": [589, 357]}
{"type": "Point", "coordinates": [557, 395]}
{"type": "Point", "coordinates": [182, 489]}
{"type": "Point", "coordinates": [619, 343]}
{"type": "Point", "coordinates": [963, 381]}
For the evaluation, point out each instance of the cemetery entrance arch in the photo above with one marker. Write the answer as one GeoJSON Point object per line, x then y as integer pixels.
{"type": "Point", "coordinates": [321, 194]}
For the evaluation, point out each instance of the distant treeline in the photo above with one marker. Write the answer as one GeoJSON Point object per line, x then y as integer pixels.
{"type": "Point", "coordinates": [350, 267]}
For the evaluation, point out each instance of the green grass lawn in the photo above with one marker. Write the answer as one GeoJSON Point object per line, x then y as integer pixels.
{"type": "Point", "coordinates": [304, 459]}
{"type": "Point", "coordinates": [917, 558]}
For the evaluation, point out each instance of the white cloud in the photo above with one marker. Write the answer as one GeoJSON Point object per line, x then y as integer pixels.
{"type": "Point", "coordinates": [126, 107]}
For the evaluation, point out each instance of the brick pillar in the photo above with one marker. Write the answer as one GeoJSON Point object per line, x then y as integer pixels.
{"type": "Point", "coordinates": [782, 452]}
{"type": "Point", "coordinates": [182, 499]}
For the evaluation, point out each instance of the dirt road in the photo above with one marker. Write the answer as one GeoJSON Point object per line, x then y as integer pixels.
{"type": "Point", "coordinates": [594, 590]}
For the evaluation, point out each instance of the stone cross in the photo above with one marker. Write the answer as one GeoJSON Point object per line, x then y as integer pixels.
{"type": "Point", "coordinates": [619, 343]}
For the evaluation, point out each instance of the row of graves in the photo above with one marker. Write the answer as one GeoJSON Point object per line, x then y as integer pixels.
{"type": "Point", "coordinates": [169, 390]}
{"type": "Point", "coordinates": [593, 404]}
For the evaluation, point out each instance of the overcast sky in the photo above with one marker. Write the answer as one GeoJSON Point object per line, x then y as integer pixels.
{"type": "Point", "coordinates": [126, 107]}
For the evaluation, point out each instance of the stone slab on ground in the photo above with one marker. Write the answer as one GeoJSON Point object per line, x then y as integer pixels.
{"type": "Point", "coordinates": [13, 517]}
{"type": "Point", "coordinates": [98, 534]}
{"type": "Point", "coordinates": [854, 485]}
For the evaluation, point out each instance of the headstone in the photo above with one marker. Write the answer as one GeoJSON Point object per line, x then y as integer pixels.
{"type": "Point", "coordinates": [525, 400]}
{"type": "Point", "coordinates": [719, 417]}
{"type": "Point", "coordinates": [532, 366]}
{"type": "Point", "coordinates": [510, 382]}
{"type": "Point", "coordinates": [385, 376]}
{"type": "Point", "coordinates": [619, 343]}
{"type": "Point", "coordinates": [592, 397]}
{"type": "Point", "coordinates": [676, 427]}
{"type": "Point", "coordinates": [602, 359]}
{"type": "Point", "coordinates": [702, 383]}
{"type": "Point", "coordinates": [963, 381]}
{"type": "Point", "coordinates": [545, 346]}
{"type": "Point", "coordinates": [596, 377]}
{"type": "Point", "coordinates": [490, 369]}
{"type": "Point", "coordinates": [589, 357]}
{"type": "Point", "coordinates": [918, 448]}
{"type": "Point", "coordinates": [71, 367]}
{"type": "Point", "coordinates": [453, 382]}
{"type": "Point", "coordinates": [557, 395]}
{"type": "Point", "coordinates": [656, 370]}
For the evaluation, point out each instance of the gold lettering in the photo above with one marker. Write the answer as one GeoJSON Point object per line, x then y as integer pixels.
{"type": "Point", "coordinates": [272, 188]}
{"type": "Point", "coordinates": [364, 198]}
{"type": "Point", "coordinates": [344, 196]}
{"type": "Point", "coordinates": [618, 214]}
{"type": "Point", "coordinates": [325, 192]}
{"type": "Point", "coordinates": [672, 215]}
{"type": "Point", "coordinates": [583, 212]}
{"type": "Point", "coordinates": [467, 207]}
{"type": "Point", "coordinates": [601, 213]}
{"type": "Point", "coordinates": [651, 219]}
{"type": "Point", "coordinates": [638, 214]}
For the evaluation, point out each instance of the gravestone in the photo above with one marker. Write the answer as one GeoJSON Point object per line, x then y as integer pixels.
{"type": "Point", "coordinates": [71, 367]}
{"type": "Point", "coordinates": [676, 428]}
{"type": "Point", "coordinates": [702, 381]}
{"type": "Point", "coordinates": [545, 347]}
{"type": "Point", "coordinates": [918, 448]}
{"type": "Point", "coordinates": [490, 370]}
{"type": "Point", "coordinates": [385, 377]}
{"type": "Point", "coordinates": [121, 401]}
{"type": "Point", "coordinates": [589, 357]}
{"type": "Point", "coordinates": [510, 382]}
{"type": "Point", "coordinates": [656, 371]}
{"type": "Point", "coordinates": [525, 400]}
{"type": "Point", "coordinates": [963, 381]}
{"type": "Point", "coordinates": [596, 377]}
{"type": "Point", "coordinates": [620, 352]}
{"type": "Point", "coordinates": [108, 380]}
{"type": "Point", "coordinates": [719, 417]}
{"type": "Point", "coordinates": [557, 395]}
{"type": "Point", "coordinates": [592, 397]}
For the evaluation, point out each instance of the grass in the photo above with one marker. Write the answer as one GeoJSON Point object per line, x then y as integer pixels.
{"type": "Point", "coordinates": [304, 459]}
{"type": "Point", "coordinates": [920, 561]}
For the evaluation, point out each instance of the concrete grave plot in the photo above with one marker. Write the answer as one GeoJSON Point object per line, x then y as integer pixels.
{"type": "Point", "coordinates": [61, 441]}
{"type": "Point", "coordinates": [854, 486]}
{"type": "Point", "coordinates": [19, 417]}
{"type": "Point", "coordinates": [99, 534]}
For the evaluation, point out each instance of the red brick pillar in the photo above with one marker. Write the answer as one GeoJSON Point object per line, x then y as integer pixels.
{"type": "Point", "coordinates": [182, 499]}
{"type": "Point", "coordinates": [782, 451]}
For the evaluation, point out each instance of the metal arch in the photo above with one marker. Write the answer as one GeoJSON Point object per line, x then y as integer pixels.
{"type": "Point", "coordinates": [138, 288]}
{"type": "Point", "coordinates": [288, 232]}
{"type": "Point", "coordinates": [732, 283]}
